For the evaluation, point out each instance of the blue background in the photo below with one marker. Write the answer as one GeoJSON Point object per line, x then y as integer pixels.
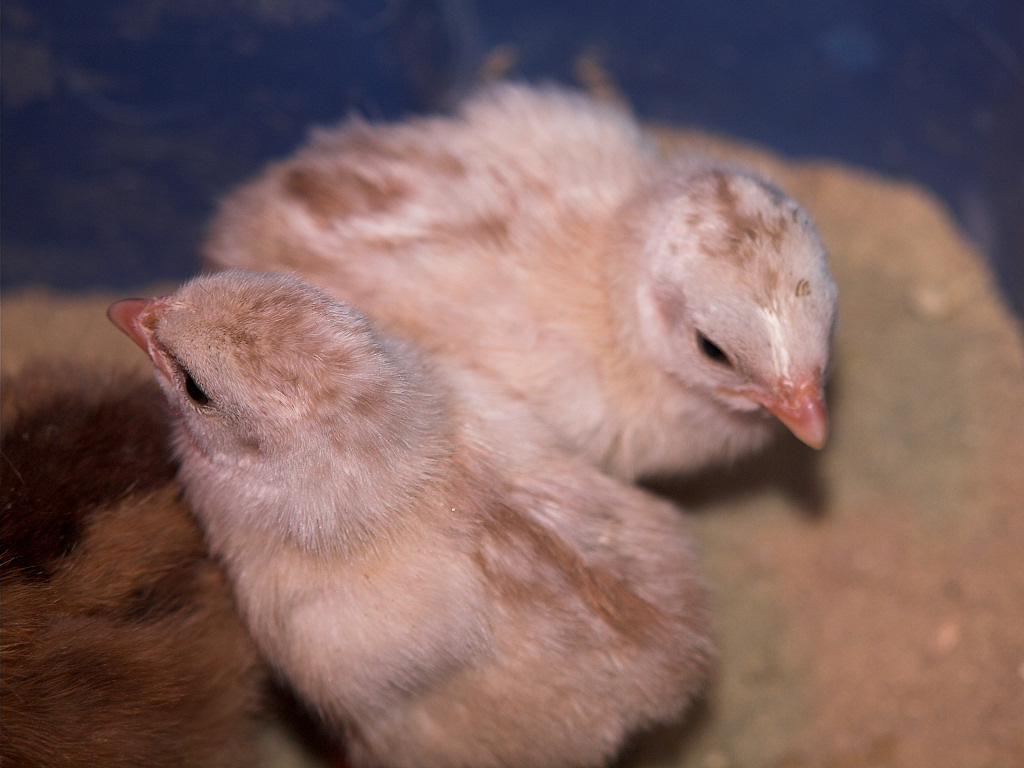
{"type": "Point", "coordinates": [123, 122]}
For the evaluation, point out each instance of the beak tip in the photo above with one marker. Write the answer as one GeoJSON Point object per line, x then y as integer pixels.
{"type": "Point", "coordinates": [126, 314]}
{"type": "Point", "coordinates": [811, 431]}
{"type": "Point", "coordinates": [817, 441]}
{"type": "Point", "coordinates": [803, 413]}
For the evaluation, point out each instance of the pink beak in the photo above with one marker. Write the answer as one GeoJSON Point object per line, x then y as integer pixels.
{"type": "Point", "coordinates": [802, 409]}
{"type": "Point", "coordinates": [127, 315]}
{"type": "Point", "coordinates": [137, 318]}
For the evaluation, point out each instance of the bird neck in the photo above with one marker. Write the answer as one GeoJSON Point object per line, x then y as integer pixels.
{"type": "Point", "coordinates": [352, 481]}
{"type": "Point", "coordinates": [382, 458]}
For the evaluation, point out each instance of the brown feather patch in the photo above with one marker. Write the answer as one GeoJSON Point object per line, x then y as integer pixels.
{"type": "Point", "coordinates": [120, 644]}
{"type": "Point", "coordinates": [72, 451]}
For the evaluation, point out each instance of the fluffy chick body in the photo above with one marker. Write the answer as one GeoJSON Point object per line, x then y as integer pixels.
{"type": "Point", "coordinates": [653, 310]}
{"type": "Point", "coordinates": [409, 549]}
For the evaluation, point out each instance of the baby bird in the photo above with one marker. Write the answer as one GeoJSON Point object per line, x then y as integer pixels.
{"type": "Point", "coordinates": [407, 548]}
{"type": "Point", "coordinates": [655, 311]}
{"type": "Point", "coordinates": [119, 641]}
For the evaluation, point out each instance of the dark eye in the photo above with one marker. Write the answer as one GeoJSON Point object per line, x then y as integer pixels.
{"type": "Point", "coordinates": [711, 350]}
{"type": "Point", "coordinates": [193, 391]}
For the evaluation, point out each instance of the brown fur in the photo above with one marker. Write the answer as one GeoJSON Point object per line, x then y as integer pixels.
{"type": "Point", "coordinates": [52, 482]}
{"type": "Point", "coordinates": [599, 589]}
{"type": "Point", "coordinates": [120, 645]}
{"type": "Point", "coordinates": [320, 193]}
{"type": "Point", "coordinates": [746, 235]}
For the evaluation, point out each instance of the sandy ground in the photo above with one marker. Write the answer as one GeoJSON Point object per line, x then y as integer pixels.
{"type": "Point", "coordinates": [870, 597]}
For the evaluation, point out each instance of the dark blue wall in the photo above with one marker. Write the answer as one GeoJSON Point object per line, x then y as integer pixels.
{"type": "Point", "coordinates": [124, 121]}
